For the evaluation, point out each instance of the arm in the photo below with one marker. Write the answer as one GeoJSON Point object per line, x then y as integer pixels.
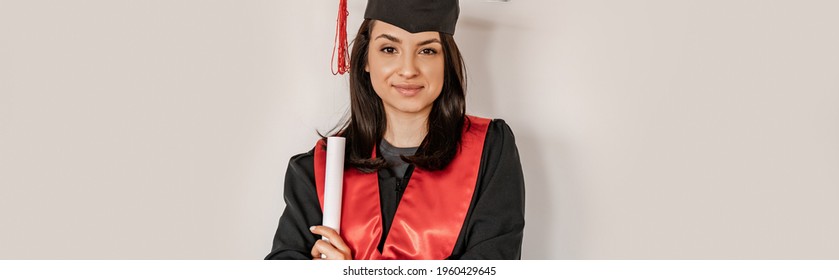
{"type": "Point", "coordinates": [293, 239]}
{"type": "Point", "coordinates": [495, 225]}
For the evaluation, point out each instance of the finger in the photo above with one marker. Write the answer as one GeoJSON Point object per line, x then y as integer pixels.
{"type": "Point", "coordinates": [316, 253]}
{"type": "Point", "coordinates": [330, 252]}
{"type": "Point", "coordinates": [332, 236]}
{"type": "Point", "coordinates": [319, 257]}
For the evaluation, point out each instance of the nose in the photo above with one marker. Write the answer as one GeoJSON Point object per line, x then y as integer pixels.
{"type": "Point", "coordinates": [409, 67]}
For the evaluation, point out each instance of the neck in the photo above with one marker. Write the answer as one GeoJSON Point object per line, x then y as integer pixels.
{"type": "Point", "coordinates": [405, 130]}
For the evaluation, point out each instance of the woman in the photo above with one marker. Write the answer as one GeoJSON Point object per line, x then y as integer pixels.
{"type": "Point", "coordinates": [456, 179]}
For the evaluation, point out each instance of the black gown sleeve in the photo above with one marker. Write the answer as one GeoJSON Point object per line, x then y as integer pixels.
{"type": "Point", "coordinates": [293, 240]}
{"type": "Point", "coordinates": [494, 225]}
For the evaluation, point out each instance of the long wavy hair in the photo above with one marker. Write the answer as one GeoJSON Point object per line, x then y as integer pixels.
{"type": "Point", "coordinates": [367, 122]}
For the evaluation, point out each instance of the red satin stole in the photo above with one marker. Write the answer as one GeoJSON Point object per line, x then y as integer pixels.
{"type": "Point", "coordinates": [432, 210]}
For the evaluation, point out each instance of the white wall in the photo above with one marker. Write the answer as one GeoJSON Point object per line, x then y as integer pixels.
{"type": "Point", "coordinates": [647, 129]}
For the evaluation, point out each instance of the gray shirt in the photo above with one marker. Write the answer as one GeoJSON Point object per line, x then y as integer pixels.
{"type": "Point", "coordinates": [391, 155]}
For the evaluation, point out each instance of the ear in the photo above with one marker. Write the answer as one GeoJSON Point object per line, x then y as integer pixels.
{"type": "Point", "coordinates": [367, 68]}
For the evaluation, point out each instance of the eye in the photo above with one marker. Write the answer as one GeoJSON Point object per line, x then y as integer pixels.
{"type": "Point", "coordinates": [388, 50]}
{"type": "Point", "coordinates": [428, 51]}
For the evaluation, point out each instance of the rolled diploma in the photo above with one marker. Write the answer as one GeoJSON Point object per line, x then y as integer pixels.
{"type": "Point", "coordinates": [333, 183]}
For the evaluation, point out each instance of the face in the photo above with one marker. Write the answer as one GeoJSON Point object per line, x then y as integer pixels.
{"type": "Point", "coordinates": [406, 69]}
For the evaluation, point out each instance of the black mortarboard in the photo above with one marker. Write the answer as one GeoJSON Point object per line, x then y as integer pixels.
{"type": "Point", "coordinates": [416, 15]}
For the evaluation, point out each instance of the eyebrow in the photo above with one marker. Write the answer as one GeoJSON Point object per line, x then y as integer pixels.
{"type": "Point", "coordinates": [398, 41]}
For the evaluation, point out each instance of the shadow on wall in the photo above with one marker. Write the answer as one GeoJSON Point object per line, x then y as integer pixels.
{"type": "Point", "coordinates": [483, 71]}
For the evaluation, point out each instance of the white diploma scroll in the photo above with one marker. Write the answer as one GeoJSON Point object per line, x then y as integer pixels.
{"type": "Point", "coordinates": [333, 183]}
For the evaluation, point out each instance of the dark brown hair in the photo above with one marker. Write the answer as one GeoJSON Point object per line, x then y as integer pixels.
{"type": "Point", "coordinates": [367, 122]}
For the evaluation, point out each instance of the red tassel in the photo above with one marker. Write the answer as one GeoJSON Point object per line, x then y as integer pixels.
{"type": "Point", "coordinates": [340, 44]}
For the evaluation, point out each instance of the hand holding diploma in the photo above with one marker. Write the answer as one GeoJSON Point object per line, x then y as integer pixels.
{"type": "Point", "coordinates": [334, 249]}
{"type": "Point", "coordinates": [332, 246]}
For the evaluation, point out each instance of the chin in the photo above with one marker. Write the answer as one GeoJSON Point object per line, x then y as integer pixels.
{"type": "Point", "coordinates": [411, 108]}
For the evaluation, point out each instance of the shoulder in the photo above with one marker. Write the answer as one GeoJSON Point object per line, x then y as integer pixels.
{"type": "Point", "coordinates": [499, 137]}
{"type": "Point", "coordinates": [499, 127]}
{"type": "Point", "coordinates": [302, 159]}
{"type": "Point", "coordinates": [499, 145]}
{"type": "Point", "coordinates": [302, 165]}
{"type": "Point", "coordinates": [492, 123]}
{"type": "Point", "coordinates": [497, 130]}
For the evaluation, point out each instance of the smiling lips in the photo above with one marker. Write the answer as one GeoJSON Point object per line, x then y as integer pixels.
{"type": "Point", "coordinates": [408, 90]}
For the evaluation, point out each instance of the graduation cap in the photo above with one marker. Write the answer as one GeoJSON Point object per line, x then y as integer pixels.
{"type": "Point", "coordinates": [411, 15]}
{"type": "Point", "coordinates": [416, 15]}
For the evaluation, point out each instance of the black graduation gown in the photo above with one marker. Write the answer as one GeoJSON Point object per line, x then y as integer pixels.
{"type": "Point", "coordinates": [494, 222]}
